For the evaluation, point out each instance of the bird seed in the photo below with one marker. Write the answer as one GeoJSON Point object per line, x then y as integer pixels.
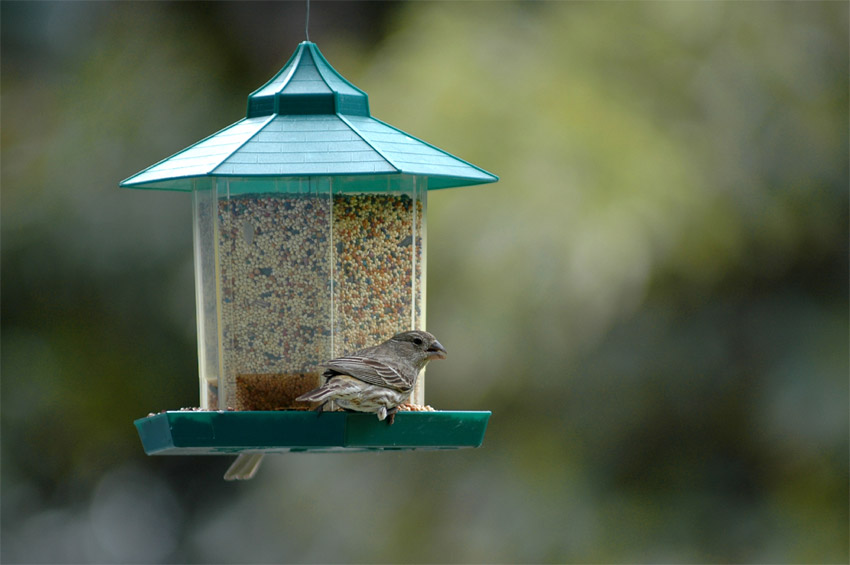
{"type": "Point", "coordinates": [272, 391]}
{"type": "Point", "coordinates": [306, 278]}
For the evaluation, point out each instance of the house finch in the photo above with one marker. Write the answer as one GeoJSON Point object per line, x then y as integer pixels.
{"type": "Point", "coordinates": [375, 379]}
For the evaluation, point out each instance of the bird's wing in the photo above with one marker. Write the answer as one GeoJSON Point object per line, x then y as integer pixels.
{"type": "Point", "coordinates": [369, 371]}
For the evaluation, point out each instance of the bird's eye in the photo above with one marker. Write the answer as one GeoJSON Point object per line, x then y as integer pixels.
{"type": "Point", "coordinates": [417, 341]}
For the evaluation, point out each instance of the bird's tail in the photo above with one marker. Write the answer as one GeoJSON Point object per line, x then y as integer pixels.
{"type": "Point", "coordinates": [321, 394]}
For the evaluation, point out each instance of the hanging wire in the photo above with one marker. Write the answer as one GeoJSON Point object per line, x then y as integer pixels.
{"type": "Point", "coordinates": [307, 22]}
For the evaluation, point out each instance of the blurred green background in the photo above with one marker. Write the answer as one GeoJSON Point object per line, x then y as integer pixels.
{"type": "Point", "coordinates": [653, 301]}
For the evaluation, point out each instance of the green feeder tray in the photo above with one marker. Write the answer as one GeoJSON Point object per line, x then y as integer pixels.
{"type": "Point", "coordinates": [226, 433]}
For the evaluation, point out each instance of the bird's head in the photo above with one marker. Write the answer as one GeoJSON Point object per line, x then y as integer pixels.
{"type": "Point", "coordinates": [422, 343]}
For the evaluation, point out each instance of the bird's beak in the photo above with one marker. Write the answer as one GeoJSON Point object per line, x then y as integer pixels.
{"type": "Point", "coordinates": [437, 351]}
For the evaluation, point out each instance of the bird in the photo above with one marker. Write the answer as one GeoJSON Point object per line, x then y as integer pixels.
{"type": "Point", "coordinates": [376, 379]}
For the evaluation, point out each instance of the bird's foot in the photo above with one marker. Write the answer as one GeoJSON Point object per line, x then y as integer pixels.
{"type": "Point", "coordinates": [391, 415]}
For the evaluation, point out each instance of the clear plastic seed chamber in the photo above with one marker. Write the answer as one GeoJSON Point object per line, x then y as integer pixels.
{"type": "Point", "coordinates": [309, 243]}
{"type": "Point", "coordinates": [293, 272]}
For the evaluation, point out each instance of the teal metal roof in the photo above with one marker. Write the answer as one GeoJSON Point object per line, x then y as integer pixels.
{"type": "Point", "coordinates": [309, 121]}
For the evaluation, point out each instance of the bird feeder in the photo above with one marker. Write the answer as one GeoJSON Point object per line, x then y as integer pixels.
{"type": "Point", "coordinates": [309, 243]}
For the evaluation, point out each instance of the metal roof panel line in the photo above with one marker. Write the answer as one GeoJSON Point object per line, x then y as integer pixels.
{"type": "Point", "coordinates": [361, 136]}
{"type": "Point", "coordinates": [262, 121]}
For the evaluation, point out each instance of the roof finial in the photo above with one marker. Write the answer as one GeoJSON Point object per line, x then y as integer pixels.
{"type": "Point", "coordinates": [307, 22]}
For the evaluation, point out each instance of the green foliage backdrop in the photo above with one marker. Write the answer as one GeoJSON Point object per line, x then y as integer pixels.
{"type": "Point", "coordinates": [653, 301]}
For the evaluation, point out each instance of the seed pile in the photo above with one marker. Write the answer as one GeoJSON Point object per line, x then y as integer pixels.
{"type": "Point", "coordinates": [274, 276]}
{"type": "Point", "coordinates": [271, 391]}
{"type": "Point", "coordinates": [378, 268]}
{"type": "Point", "coordinates": [408, 407]}
{"type": "Point", "coordinates": [292, 268]}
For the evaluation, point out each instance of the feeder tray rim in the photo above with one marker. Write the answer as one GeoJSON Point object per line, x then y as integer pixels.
{"type": "Point", "coordinates": [208, 432]}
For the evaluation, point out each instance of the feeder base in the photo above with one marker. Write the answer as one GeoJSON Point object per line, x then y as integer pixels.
{"type": "Point", "coordinates": [226, 433]}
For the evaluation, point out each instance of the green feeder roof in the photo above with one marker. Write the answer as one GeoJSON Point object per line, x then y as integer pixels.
{"type": "Point", "coordinates": [309, 121]}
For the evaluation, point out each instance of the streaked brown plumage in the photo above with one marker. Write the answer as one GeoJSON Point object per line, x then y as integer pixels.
{"type": "Point", "coordinates": [375, 379]}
